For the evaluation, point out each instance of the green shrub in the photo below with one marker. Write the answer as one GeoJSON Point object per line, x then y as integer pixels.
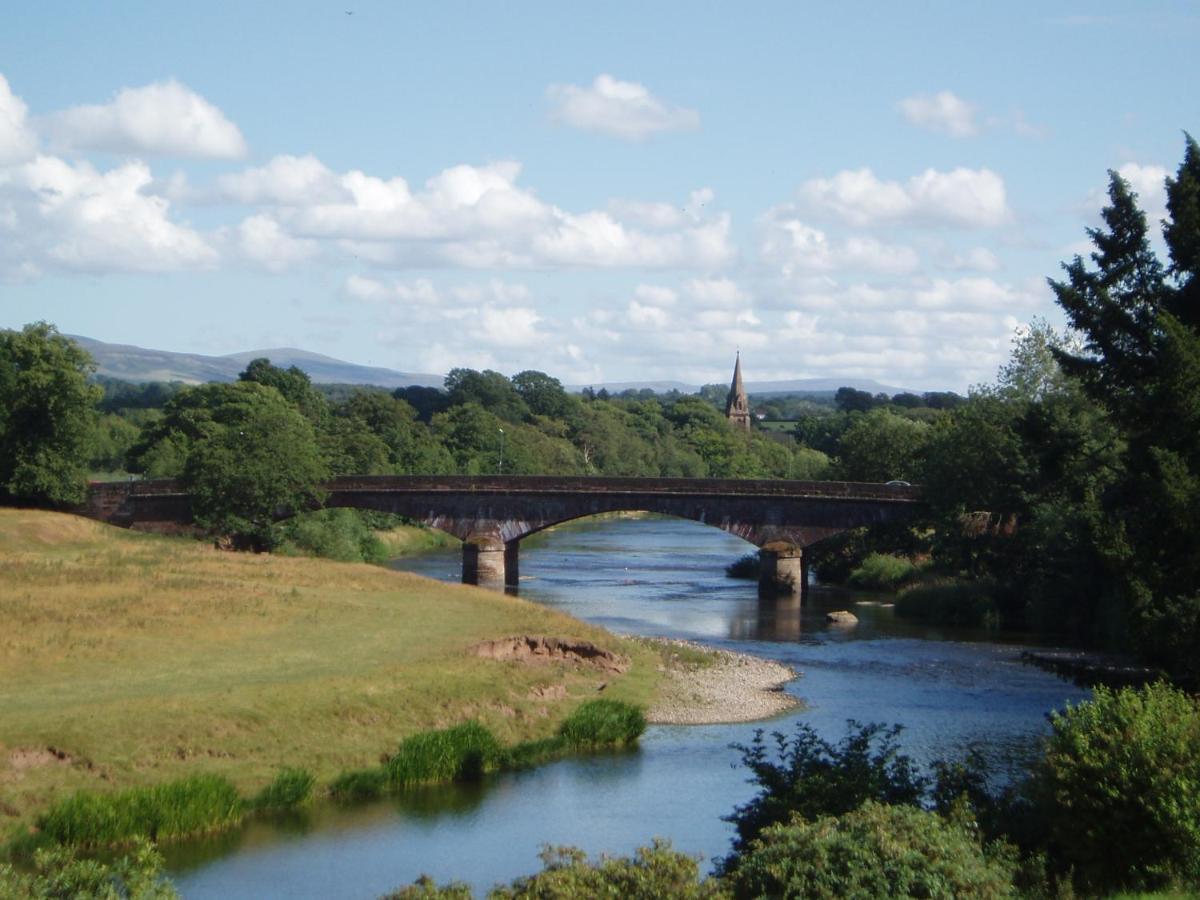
{"type": "Point", "coordinates": [747, 567]}
{"type": "Point", "coordinates": [461, 753]}
{"type": "Point", "coordinates": [172, 810]}
{"type": "Point", "coordinates": [599, 722]}
{"type": "Point", "coordinates": [808, 776]}
{"type": "Point", "coordinates": [361, 784]}
{"type": "Point", "coordinates": [652, 873]}
{"type": "Point", "coordinates": [874, 851]}
{"type": "Point", "coordinates": [950, 602]}
{"type": "Point", "coordinates": [882, 572]}
{"type": "Point", "coordinates": [425, 888]}
{"type": "Point", "coordinates": [527, 754]}
{"type": "Point", "coordinates": [1118, 789]}
{"type": "Point", "coordinates": [339, 534]}
{"type": "Point", "coordinates": [58, 874]}
{"type": "Point", "coordinates": [291, 788]}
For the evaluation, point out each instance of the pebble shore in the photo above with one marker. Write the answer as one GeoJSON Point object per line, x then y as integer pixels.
{"type": "Point", "coordinates": [735, 688]}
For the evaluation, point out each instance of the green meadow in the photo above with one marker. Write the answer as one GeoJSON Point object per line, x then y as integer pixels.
{"type": "Point", "coordinates": [131, 660]}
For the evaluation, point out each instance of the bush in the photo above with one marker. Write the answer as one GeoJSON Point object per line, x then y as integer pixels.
{"type": "Point", "coordinates": [874, 851]}
{"type": "Point", "coordinates": [172, 810]}
{"type": "Point", "coordinates": [811, 777]}
{"type": "Point", "coordinates": [597, 722]}
{"type": "Point", "coordinates": [527, 754]}
{"type": "Point", "coordinates": [1118, 788]}
{"type": "Point", "coordinates": [461, 753]}
{"type": "Point", "coordinates": [882, 572]}
{"type": "Point", "coordinates": [747, 567]}
{"type": "Point", "coordinates": [291, 788]}
{"type": "Point", "coordinates": [339, 534]}
{"type": "Point", "coordinates": [361, 784]}
{"type": "Point", "coordinates": [949, 602]}
{"type": "Point", "coordinates": [652, 873]}
{"type": "Point", "coordinates": [58, 874]}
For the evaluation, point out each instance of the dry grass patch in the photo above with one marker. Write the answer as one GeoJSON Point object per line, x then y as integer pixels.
{"type": "Point", "coordinates": [144, 658]}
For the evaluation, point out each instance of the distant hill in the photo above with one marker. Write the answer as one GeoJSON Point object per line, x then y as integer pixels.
{"type": "Point", "coordinates": [130, 363]}
{"type": "Point", "coordinates": [137, 364]}
{"type": "Point", "coordinates": [822, 386]}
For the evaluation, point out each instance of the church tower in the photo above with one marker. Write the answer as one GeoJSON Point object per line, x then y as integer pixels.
{"type": "Point", "coordinates": [737, 406]}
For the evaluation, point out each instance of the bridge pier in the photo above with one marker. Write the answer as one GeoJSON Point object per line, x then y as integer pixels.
{"type": "Point", "coordinates": [512, 566]}
{"type": "Point", "coordinates": [783, 570]}
{"type": "Point", "coordinates": [483, 563]}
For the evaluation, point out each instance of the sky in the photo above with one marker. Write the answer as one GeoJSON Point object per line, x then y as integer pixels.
{"type": "Point", "coordinates": [603, 192]}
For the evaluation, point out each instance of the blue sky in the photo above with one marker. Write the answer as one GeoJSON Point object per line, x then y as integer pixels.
{"type": "Point", "coordinates": [623, 191]}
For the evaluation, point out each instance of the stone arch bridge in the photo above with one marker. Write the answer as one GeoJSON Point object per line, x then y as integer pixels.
{"type": "Point", "coordinates": [492, 513]}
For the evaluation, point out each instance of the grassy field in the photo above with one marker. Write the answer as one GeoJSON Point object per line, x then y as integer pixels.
{"type": "Point", "coordinates": [130, 659]}
{"type": "Point", "coordinates": [409, 540]}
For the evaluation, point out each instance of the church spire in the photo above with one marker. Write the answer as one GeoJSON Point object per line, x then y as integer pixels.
{"type": "Point", "coordinates": [737, 405]}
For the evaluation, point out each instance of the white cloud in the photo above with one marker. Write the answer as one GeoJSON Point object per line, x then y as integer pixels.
{"type": "Point", "coordinates": [514, 326]}
{"type": "Point", "coordinates": [659, 215]}
{"type": "Point", "coordinates": [261, 240]}
{"type": "Point", "coordinates": [799, 248]}
{"type": "Point", "coordinates": [655, 295]}
{"type": "Point", "coordinates": [17, 140]}
{"type": "Point", "coordinates": [973, 293]}
{"type": "Point", "coordinates": [161, 119]}
{"type": "Point", "coordinates": [1150, 184]}
{"type": "Point", "coordinates": [978, 259]}
{"type": "Point", "coordinates": [420, 293]}
{"type": "Point", "coordinates": [942, 112]}
{"type": "Point", "coordinates": [71, 216]}
{"type": "Point", "coordinates": [716, 293]}
{"type": "Point", "coordinates": [596, 239]}
{"type": "Point", "coordinates": [284, 181]}
{"type": "Point", "coordinates": [961, 197]}
{"type": "Point", "coordinates": [468, 216]}
{"type": "Point", "coordinates": [647, 316]}
{"type": "Point", "coordinates": [622, 109]}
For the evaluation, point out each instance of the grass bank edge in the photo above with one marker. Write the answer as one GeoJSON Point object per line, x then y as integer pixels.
{"type": "Point", "coordinates": [204, 803]}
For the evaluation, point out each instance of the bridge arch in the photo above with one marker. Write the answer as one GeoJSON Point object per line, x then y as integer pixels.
{"type": "Point", "coordinates": [492, 514]}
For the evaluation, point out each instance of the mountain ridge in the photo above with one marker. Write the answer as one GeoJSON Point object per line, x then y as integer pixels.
{"type": "Point", "coordinates": [128, 362]}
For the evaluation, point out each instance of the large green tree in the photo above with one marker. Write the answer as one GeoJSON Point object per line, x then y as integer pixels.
{"type": "Point", "coordinates": [1141, 363]}
{"type": "Point", "coordinates": [255, 460]}
{"type": "Point", "coordinates": [882, 446]}
{"type": "Point", "coordinates": [47, 416]}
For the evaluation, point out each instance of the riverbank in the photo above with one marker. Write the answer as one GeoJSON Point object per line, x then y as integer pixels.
{"type": "Point", "coordinates": [131, 660]}
{"type": "Point", "coordinates": [706, 686]}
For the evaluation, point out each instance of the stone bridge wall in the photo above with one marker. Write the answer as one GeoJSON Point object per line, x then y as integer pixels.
{"type": "Point", "coordinates": [492, 513]}
{"type": "Point", "coordinates": [511, 507]}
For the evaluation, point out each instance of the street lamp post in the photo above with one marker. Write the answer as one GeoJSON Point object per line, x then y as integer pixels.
{"type": "Point", "coordinates": [501, 469]}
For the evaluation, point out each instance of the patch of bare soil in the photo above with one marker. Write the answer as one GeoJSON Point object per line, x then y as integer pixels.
{"type": "Point", "coordinates": [22, 759]}
{"type": "Point", "coordinates": [544, 648]}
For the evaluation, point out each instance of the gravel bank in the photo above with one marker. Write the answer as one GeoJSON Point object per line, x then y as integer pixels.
{"type": "Point", "coordinates": [734, 688]}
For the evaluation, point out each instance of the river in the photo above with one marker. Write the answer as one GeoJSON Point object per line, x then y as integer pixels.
{"type": "Point", "coordinates": [951, 689]}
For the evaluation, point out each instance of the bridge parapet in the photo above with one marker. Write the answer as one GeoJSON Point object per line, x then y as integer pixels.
{"type": "Point", "coordinates": [555, 484]}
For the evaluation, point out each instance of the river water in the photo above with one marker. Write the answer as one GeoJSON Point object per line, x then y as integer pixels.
{"type": "Point", "coordinates": [664, 577]}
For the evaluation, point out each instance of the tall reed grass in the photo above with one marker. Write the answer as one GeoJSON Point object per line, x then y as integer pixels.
{"type": "Point", "coordinates": [168, 811]}
{"type": "Point", "coordinates": [462, 753]}
{"type": "Point", "coordinates": [603, 722]}
{"type": "Point", "coordinates": [467, 752]}
{"type": "Point", "coordinates": [290, 789]}
{"type": "Point", "coordinates": [883, 572]}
